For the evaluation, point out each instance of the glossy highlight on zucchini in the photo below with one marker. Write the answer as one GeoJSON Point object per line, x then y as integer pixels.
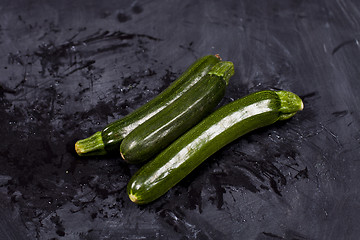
{"type": "Point", "coordinates": [158, 132]}
{"type": "Point", "coordinates": [214, 132]}
{"type": "Point", "coordinates": [109, 139]}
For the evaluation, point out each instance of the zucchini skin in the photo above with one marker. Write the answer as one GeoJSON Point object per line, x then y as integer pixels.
{"type": "Point", "coordinates": [108, 140]}
{"type": "Point", "coordinates": [214, 132]}
{"type": "Point", "coordinates": [158, 132]}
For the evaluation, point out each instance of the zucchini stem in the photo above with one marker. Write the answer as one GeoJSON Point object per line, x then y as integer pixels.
{"type": "Point", "coordinates": [223, 69]}
{"type": "Point", "coordinates": [290, 104]}
{"type": "Point", "coordinates": [91, 146]}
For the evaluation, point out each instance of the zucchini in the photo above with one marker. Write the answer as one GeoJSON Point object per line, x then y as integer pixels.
{"type": "Point", "coordinates": [158, 132]}
{"type": "Point", "coordinates": [109, 139]}
{"type": "Point", "coordinates": [214, 132]}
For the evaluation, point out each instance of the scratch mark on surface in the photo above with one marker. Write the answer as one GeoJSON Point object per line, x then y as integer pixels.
{"type": "Point", "coordinates": [343, 44]}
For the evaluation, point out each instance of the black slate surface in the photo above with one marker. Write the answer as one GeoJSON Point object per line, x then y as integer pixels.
{"type": "Point", "coordinates": [70, 67]}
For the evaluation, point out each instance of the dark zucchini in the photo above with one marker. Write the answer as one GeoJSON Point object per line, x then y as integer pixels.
{"type": "Point", "coordinates": [158, 132]}
{"type": "Point", "coordinates": [220, 128]}
{"type": "Point", "coordinates": [109, 139]}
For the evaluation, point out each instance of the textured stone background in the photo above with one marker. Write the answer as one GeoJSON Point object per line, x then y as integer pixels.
{"type": "Point", "coordinates": [70, 67]}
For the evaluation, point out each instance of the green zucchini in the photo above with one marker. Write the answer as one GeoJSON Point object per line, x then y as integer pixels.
{"type": "Point", "coordinates": [220, 128]}
{"type": "Point", "coordinates": [158, 132]}
{"type": "Point", "coordinates": [109, 139]}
